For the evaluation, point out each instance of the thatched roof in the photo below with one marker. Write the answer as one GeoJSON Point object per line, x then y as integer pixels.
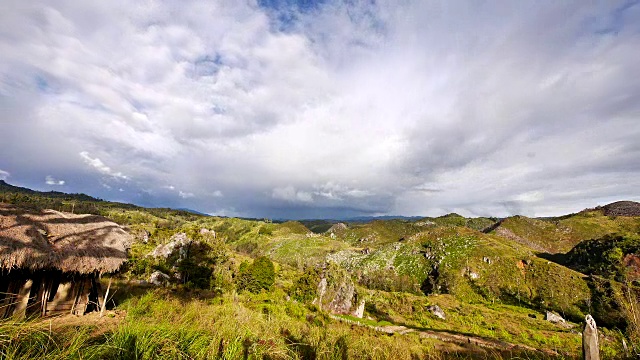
{"type": "Point", "coordinates": [50, 239]}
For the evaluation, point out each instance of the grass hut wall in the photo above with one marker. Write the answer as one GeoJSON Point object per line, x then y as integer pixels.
{"type": "Point", "coordinates": [51, 262]}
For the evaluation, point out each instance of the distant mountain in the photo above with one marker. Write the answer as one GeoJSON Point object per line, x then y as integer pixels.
{"type": "Point", "coordinates": [8, 188]}
{"type": "Point", "coordinates": [76, 203]}
{"type": "Point", "coordinates": [385, 217]}
{"type": "Point", "coordinates": [193, 211]}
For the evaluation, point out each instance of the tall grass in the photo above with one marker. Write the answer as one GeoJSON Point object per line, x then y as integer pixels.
{"type": "Point", "coordinates": [628, 296]}
{"type": "Point", "coordinates": [36, 340]}
{"type": "Point", "coordinates": [160, 326]}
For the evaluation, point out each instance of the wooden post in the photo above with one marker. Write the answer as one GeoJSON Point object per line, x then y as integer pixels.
{"type": "Point", "coordinates": [590, 350]}
{"type": "Point", "coordinates": [23, 299]}
{"type": "Point", "coordinates": [78, 287]}
{"type": "Point", "coordinates": [45, 296]}
{"type": "Point", "coordinates": [106, 297]}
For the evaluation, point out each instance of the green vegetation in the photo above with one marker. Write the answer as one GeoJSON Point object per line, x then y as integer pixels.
{"type": "Point", "coordinates": [606, 257]}
{"type": "Point", "coordinates": [242, 288]}
{"type": "Point", "coordinates": [304, 288]}
{"type": "Point", "coordinates": [257, 276]}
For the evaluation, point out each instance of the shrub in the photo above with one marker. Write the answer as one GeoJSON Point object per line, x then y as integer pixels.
{"type": "Point", "coordinates": [257, 276]}
{"type": "Point", "coordinates": [265, 230]}
{"type": "Point", "coordinates": [304, 289]}
{"type": "Point", "coordinates": [247, 247]}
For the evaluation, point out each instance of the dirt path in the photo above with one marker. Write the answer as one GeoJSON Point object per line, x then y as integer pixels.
{"type": "Point", "coordinates": [452, 337]}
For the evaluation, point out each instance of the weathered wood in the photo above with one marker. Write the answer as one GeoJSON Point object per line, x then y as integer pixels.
{"type": "Point", "coordinates": [8, 303]}
{"type": "Point", "coordinates": [83, 297]}
{"type": "Point", "coordinates": [45, 297]}
{"type": "Point", "coordinates": [77, 291]}
{"type": "Point", "coordinates": [22, 299]}
{"type": "Point", "coordinates": [101, 296]}
{"type": "Point", "coordinates": [106, 298]}
{"type": "Point", "coordinates": [63, 299]}
{"type": "Point", "coordinates": [590, 350]}
{"type": "Point", "coordinates": [34, 303]}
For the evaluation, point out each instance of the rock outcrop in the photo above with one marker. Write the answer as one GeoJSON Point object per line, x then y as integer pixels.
{"type": "Point", "coordinates": [178, 242]}
{"type": "Point", "coordinates": [359, 313]}
{"type": "Point", "coordinates": [554, 318]}
{"type": "Point", "coordinates": [437, 312]}
{"type": "Point", "coordinates": [337, 230]}
{"type": "Point", "coordinates": [336, 290]}
{"type": "Point", "coordinates": [590, 350]}
{"type": "Point", "coordinates": [159, 278]}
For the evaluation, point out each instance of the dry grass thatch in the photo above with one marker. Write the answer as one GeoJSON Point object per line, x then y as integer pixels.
{"type": "Point", "coordinates": [50, 239]}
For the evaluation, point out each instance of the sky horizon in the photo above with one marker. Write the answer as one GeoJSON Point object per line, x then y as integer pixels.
{"type": "Point", "coordinates": [330, 218]}
{"type": "Point", "coordinates": [324, 109]}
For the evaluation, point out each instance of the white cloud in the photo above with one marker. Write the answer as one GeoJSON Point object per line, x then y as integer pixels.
{"type": "Point", "coordinates": [4, 174]}
{"type": "Point", "coordinates": [100, 166]}
{"type": "Point", "coordinates": [50, 180]}
{"type": "Point", "coordinates": [406, 107]}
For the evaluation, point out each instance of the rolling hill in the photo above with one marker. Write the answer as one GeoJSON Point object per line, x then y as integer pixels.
{"type": "Point", "coordinates": [495, 279]}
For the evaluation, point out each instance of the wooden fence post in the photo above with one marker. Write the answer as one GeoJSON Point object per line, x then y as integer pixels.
{"type": "Point", "coordinates": [106, 297]}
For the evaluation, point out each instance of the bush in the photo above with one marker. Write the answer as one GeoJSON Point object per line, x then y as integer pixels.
{"type": "Point", "coordinates": [304, 289]}
{"type": "Point", "coordinates": [247, 247]}
{"type": "Point", "coordinates": [257, 276]}
{"type": "Point", "coordinates": [265, 230]}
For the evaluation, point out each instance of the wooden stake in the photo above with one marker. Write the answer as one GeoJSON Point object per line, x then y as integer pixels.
{"type": "Point", "coordinates": [45, 296]}
{"type": "Point", "coordinates": [106, 296]}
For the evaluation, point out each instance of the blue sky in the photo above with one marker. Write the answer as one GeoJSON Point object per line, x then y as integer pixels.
{"type": "Point", "coordinates": [324, 108]}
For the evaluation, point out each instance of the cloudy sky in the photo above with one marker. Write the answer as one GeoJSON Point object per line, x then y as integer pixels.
{"type": "Point", "coordinates": [305, 109]}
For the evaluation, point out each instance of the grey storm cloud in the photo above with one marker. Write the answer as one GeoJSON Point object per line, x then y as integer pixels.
{"type": "Point", "coordinates": [337, 109]}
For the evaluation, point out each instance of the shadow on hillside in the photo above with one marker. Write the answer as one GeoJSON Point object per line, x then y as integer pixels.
{"type": "Point", "coordinates": [559, 258]}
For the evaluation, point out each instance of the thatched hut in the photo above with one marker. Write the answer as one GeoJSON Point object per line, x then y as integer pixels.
{"type": "Point", "coordinates": [51, 262]}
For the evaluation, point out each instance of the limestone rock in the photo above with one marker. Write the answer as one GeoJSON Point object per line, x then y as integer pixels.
{"type": "Point", "coordinates": [590, 350]}
{"type": "Point", "coordinates": [322, 288]}
{"type": "Point", "coordinates": [437, 311]}
{"type": "Point", "coordinates": [339, 227]}
{"type": "Point", "coordinates": [554, 318]}
{"type": "Point", "coordinates": [471, 274]}
{"type": "Point", "coordinates": [336, 291]}
{"type": "Point", "coordinates": [342, 299]}
{"type": "Point", "coordinates": [177, 242]}
{"type": "Point", "coordinates": [159, 278]}
{"type": "Point", "coordinates": [359, 313]}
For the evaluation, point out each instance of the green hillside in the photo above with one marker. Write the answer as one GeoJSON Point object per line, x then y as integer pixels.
{"type": "Point", "coordinates": [293, 291]}
{"type": "Point", "coordinates": [559, 235]}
